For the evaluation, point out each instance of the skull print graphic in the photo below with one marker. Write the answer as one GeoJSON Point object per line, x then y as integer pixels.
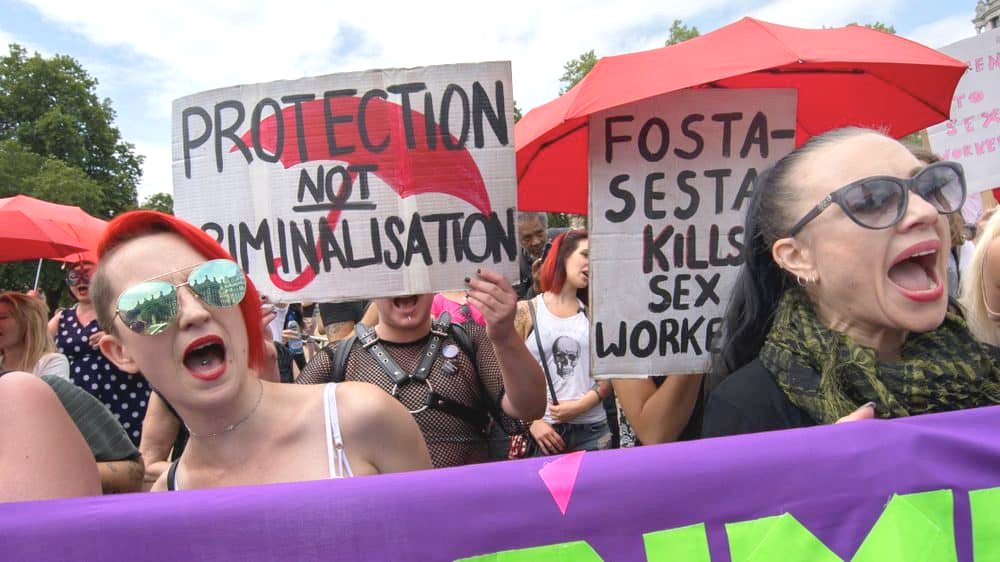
{"type": "Point", "coordinates": [566, 352]}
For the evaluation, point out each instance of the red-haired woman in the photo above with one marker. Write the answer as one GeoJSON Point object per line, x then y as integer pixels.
{"type": "Point", "coordinates": [178, 309]}
{"type": "Point", "coordinates": [557, 333]}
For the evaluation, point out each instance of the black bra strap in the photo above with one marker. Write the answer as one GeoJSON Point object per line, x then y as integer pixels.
{"type": "Point", "coordinates": [172, 476]}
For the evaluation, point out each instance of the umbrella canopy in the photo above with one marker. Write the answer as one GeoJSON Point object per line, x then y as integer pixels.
{"type": "Point", "coordinates": [27, 237]}
{"type": "Point", "coordinates": [84, 230]}
{"type": "Point", "coordinates": [844, 76]}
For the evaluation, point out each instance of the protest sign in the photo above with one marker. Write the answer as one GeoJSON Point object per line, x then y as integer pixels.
{"type": "Point", "coordinates": [364, 184]}
{"type": "Point", "coordinates": [919, 488]}
{"type": "Point", "coordinates": [972, 135]}
{"type": "Point", "coordinates": [670, 178]}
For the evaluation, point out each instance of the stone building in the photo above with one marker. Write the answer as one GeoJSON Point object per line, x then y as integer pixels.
{"type": "Point", "coordinates": [987, 15]}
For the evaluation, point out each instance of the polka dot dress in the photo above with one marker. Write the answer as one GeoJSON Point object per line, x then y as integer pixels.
{"type": "Point", "coordinates": [124, 394]}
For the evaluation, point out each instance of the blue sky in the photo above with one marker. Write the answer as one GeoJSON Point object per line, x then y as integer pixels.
{"type": "Point", "coordinates": [146, 54]}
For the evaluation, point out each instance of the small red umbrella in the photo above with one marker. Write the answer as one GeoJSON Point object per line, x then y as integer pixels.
{"type": "Point", "coordinates": [27, 237]}
{"type": "Point", "coordinates": [85, 229]}
{"type": "Point", "coordinates": [844, 76]}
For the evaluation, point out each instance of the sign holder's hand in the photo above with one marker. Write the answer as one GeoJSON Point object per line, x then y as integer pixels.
{"type": "Point", "coordinates": [548, 439]}
{"type": "Point", "coordinates": [567, 410]}
{"type": "Point", "coordinates": [523, 381]}
{"type": "Point", "coordinates": [865, 412]}
{"type": "Point", "coordinates": [492, 294]}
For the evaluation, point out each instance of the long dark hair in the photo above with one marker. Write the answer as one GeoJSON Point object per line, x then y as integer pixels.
{"type": "Point", "coordinates": [761, 282]}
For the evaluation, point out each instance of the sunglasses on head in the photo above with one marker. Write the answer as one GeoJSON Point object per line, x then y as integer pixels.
{"type": "Point", "coordinates": [151, 306]}
{"type": "Point", "coordinates": [880, 202]}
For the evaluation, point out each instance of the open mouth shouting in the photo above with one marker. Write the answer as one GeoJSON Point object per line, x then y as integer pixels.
{"type": "Point", "coordinates": [405, 305]}
{"type": "Point", "coordinates": [914, 272]}
{"type": "Point", "coordinates": [205, 358]}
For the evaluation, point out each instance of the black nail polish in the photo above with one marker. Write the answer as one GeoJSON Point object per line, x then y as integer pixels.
{"type": "Point", "coordinates": [466, 279]}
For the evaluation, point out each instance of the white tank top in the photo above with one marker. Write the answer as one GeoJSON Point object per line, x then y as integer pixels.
{"type": "Point", "coordinates": [339, 467]}
{"type": "Point", "coordinates": [566, 342]}
{"type": "Point", "coordinates": [335, 454]}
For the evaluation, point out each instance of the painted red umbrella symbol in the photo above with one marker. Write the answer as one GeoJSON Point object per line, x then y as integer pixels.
{"type": "Point", "coordinates": [408, 170]}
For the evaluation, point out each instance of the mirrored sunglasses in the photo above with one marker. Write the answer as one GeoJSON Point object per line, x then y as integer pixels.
{"type": "Point", "coordinates": [880, 202]}
{"type": "Point", "coordinates": [150, 307]}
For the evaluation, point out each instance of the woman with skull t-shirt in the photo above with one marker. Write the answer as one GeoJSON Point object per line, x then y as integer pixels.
{"type": "Point", "coordinates": [576, 420]}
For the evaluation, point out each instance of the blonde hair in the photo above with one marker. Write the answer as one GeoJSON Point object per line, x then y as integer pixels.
{"type": "Point", "coordinates": [971, 296]}
{"type": "Point", "coordinates": [31, 316]}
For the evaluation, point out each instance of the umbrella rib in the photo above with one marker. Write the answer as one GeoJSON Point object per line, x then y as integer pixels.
{"type": "Point", "coordinates": [545, 145]}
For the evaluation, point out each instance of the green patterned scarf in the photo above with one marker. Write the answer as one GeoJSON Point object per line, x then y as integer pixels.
{"type": "Point", "coordinates": [828, 375]}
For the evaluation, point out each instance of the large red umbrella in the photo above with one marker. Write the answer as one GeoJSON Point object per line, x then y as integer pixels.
{"type": "Point", "coordinates": [85, 230]}
{"type": "Point", "coordinates": [844, 76]}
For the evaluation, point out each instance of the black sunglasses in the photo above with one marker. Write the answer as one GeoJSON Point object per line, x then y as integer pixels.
{"type": "Point", "coordinates": [880, 201]}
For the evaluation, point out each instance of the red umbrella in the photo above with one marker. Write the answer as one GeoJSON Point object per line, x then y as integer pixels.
{"type": "Point", "coordinates": [27, 237]}
{"type": "Point", "coordinates": [844, 76]}
{"type": "Point", "coordinates": [85, 229]}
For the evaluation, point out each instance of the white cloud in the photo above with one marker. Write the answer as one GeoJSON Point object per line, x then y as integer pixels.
{"type": "Point", "coordinates": [204, 45]}
{"type": "Point", "coordinates": [6, 38]}
{"type": "Point", "coordinates": [944, 32]}
{"type": "Point", "coordinates": [156, 172]}
{"type": "Point", "coordinates": [830, 13]}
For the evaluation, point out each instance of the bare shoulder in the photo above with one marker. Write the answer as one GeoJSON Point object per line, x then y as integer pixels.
{"type": "Point", "coordinates": [364, 403]}
{"type": "Point", "coordinates": [367, 413]}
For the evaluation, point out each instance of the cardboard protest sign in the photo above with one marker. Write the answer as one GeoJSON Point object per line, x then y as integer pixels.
{"type": "Point", "coordinates": [670, 178]}
{"type": "Point", "coordinates": [972, 135]}
{"type": "Point", "coordinates": [364, 184]}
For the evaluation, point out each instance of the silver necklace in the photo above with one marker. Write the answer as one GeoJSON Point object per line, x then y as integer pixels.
{"type": "Point", "coordinates": [232, 426]}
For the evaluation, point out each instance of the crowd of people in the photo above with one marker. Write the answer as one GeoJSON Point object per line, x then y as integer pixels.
{"type": "Point", "coordinates": [841, 312]}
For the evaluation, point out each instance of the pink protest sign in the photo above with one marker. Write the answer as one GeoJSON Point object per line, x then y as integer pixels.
{"type": "Point", "coordinates": [972, 135]}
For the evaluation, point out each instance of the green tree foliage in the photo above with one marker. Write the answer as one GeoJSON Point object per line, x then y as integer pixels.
{"type": "Point", "coordinates": [517, 112]}
{"type": "Point", "coordinates": [162, 202]}
{"type": "Point", "coordinates": [50, 107]}
{"type": "Point", "coordinates": [878, 26]}
{"type": "Point", "coordinates": [45, 177]}
{"type": "Point", "coordinates": [576, 69]}
{"type": "Point", "coordinates": [559, 219]}
{"type": "Point", "coordinates": [58, 142]}
{"type": "Point", "coordinates": [680, 32]}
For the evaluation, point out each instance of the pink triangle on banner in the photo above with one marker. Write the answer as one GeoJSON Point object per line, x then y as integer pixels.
{"type": "Point", "coordinates": [560, 477]}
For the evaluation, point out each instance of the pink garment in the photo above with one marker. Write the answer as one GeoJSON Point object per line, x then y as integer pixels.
{"type": "Point", "coordinates": [442, 304]}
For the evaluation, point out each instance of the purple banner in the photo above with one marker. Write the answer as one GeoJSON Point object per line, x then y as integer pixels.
{"type": "Point", "coordinates": [837, 482]}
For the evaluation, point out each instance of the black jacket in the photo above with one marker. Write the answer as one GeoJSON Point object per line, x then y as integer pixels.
{"type": "Point", "coordinates": [750, 401]}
